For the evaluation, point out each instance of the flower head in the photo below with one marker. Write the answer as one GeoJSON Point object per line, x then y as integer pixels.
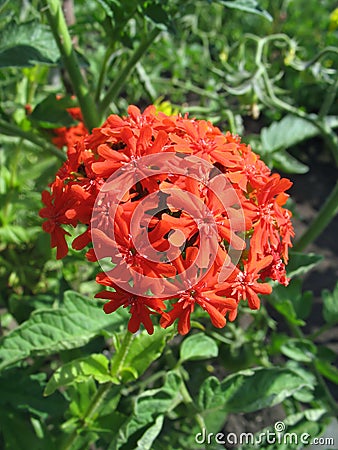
{"type": "Point", "coordinates": [185, 215]}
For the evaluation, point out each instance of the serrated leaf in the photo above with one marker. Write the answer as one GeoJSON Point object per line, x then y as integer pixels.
{"type": "Point", "coordinates": [301, 350]}
{"type": "Point", "coordinates": [48, 331]}
{"type": "Point", "coordinates": [250, 6]}
{"type": "Point", "coordinates": [284, 161]}
{"type": "Point", "coordinates": [252, 390]}
{"type": "Point", "coordinates": [330, 307]}
{"type": "Point", "coordinates": [287, 132]}
{"type": "Point", "coordinates": [24, 45]}
{"type": "Point", "coordinates": [78, 370]}
{"type": "Point", "coordinates": [198, 346]}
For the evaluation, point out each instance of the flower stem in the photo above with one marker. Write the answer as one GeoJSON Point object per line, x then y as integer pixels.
{"type": "Point", "coordinates": [13, 130]}
{"type": "Point", "coordinates": [101, 392]}
{"type": "Point", "coordinates": [324, 217]}
{"type": "Point", "coordinates": [94, 405]}
{"type": "Point", "coordinates": [119, 81]}
{"type": "Point", "coordinates": [62, 37]}
{"type": "Point", "coordinates": [121, 354]}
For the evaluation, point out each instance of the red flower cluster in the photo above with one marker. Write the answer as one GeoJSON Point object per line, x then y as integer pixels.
{"type": "Point", "coordinates": [186, 215]}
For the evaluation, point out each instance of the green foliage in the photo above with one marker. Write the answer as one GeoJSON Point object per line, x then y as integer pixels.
{"type": "Point", "coordinates": [250, 390]}
{"type": "Point", "coordinates": [198, 347]}
{"type": "Point", "coordinates": [330, 310]}
{"type": "Point", "coordinates": [71, 376]}
{"type": "Point", "coordinates": [48, 331]}
{"type": "Point", "coordinates": [27, 44]}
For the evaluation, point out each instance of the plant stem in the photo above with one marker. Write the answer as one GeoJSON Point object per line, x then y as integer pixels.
{"type": "Point", "coordinates": [94, 405]}
{"type": "Point", "coordinates": [13, 130]}
{"type": "Point", "coordinates": [323, 218]}
{"type": "Point", "coordinates": [121, 354]}
{"type": "Point", "coordinates": [119, 81]}
{"type": "Point", "coordinates": [103, 70]}
{"type": "Point", "coordinates": [329, 99]}
{"type": "Point", "coordinates": [190, 405]}
{"type": "Point", "coordinates": [62, 37]}
{"type": "Point", "coordinates": [102, 391]}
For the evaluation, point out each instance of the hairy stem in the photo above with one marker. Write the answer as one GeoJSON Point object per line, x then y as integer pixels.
{"type": "Point", "coordinates": [101, 392]}
{"type": "Point", "coordinates": [62, 37]}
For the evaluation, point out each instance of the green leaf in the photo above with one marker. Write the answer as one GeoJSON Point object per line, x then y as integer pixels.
{"type": "Point", "coordinates": [301, 350]}
{"type": "Point", "coordinates": [95, 365]}
{"type": "Point", "coordinates": [19, 434]}
{"type": "Point", "coordinates": [198, 346]}
{"type": "Point", "coordinates": [148, 407]}
{"type": "Point", "coordinates": [147, 439]}
{"type": "Point", "coordinates": [330, 307]}
{"type": "Point", "coordinates": [287, 132]}
{"type": "Point", "coordinates": [250, 390]}
{"type": "Point", "coordinates": [51, 112]}
{"type": "Point", "coordinates": [160, 400]}
{"type": "Point", "coordinates": [287, 163]}
{"type": "Point", "coordinates": [298, 304]}
{"type": "Point", "coordinates": [331, 121]}
{"type": "Point", "coordinates": [48, 331]}
{"type": "Point", "coordinates": [24, 45]}
{"type": "Point", "coordinates": [144, 349]}
{"type": "Point", "coordinates": [327, 370]}
{"type": "Point", "coordinates": [156, 13]}
{"type": "Point", "coordinates": [301, 263]}
{"type": "Point", "coordinates": [285, 306]}
{"type": "Point", "coordinates": [21, 306]}
{"type": "Point", "coordinates": [25, 393]}
{"type": "Point", "coordinates": [250, 6]}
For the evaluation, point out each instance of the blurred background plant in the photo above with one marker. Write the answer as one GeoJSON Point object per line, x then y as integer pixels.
{"type": "Point", "coordinates": [263, 69]}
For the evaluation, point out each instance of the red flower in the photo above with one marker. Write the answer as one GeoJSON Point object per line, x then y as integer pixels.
{"type": "Point", "coordinates": [141, 308]}
{"type": "Point", "coordinates": [61, 206]}
{"type": "Point", "coordinates": [243, 284]}
{"type": "Point", "coordinates": [182, 212]}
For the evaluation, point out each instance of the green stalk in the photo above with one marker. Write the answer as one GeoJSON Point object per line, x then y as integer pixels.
{"type": "Point", "coordinates": [13, 130]}
{"type": "Point", "coordinates": [103, 71]}
{"type": "Point", "coordinates": [116, 86]}
{"type": "Point", "coordinates": [101, 392]}
{"type": "Point", "coordinates": [121, 353]}
{"type": "Point", "coordinates": [62, 37]}
{"type": "Point", "coordinates": [329, 99]}
{"type": "Point", "coordinates": [94, 405]}
{"type": "Point", "coordinates": [323, 218]}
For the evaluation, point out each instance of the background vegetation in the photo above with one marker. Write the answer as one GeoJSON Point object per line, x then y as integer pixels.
{"type": "Point", "coordinates": [266, 70]}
